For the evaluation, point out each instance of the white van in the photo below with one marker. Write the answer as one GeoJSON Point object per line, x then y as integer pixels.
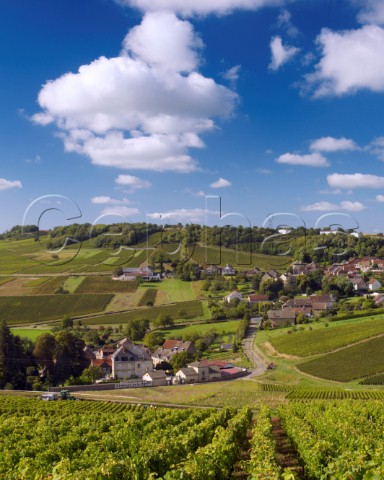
{"type": "Point", "coordinates": [49, 396]}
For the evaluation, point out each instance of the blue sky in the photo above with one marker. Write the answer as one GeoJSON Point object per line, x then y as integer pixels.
{"type": "Point", "coordinates": [132, 109]}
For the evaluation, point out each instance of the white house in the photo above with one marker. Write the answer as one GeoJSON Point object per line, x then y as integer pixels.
{"type": "Point", "coordinates": [131, 361]}
{"type": "Point", "coordinates": [232, 296]}
{"type": "Point", "coordinates": [157, 377]}
{"type": "Point", "coordinates": [374, 285]}
{"type": "Point", "coordinates": [228, 270]}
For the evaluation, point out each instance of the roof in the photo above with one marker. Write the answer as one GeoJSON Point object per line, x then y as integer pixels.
{"type": "Point", "coordinates": [231, 371]}
{"type": "Point", "coordinates": [287, 313]}
{"type": "Point", "coordinates": [99, 362]}
{"type": "Point", "coordinates": [169, 344]}
{"type": "Point", "coordinates": [217, 363]}
{"type": "Point", "coordinates": [257, 298]}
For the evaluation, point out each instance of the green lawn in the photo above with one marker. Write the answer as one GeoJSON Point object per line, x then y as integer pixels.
{"type": "Point", "coordinates": [72, 283]}
{"type": "Point", "coordinates": [175, 290]}
{"type": "Point", "coordinates": [31, 333]}
{"type": "Point", "coordinates": [223, 328]}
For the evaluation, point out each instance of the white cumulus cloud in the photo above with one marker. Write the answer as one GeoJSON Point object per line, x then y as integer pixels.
{"type": "Point", "coordinates": [133, 182]}
{"type": "Point", "coordinates": [331, 207]}
{"type": "Point", "coordinates": [106, 200]}
{"type": "Point", "coordinates": [309, 160]}
{"type": "Point", "coordinates": [281, 54]}
{"type": "Point", "coordinates": [372, 12]}
{"type": "Point", "coordinates": [380, 198]}
{"type": "Point", "coordinates": [355, 180]}
{"type": "Point", "coordinates": [220, 183]}
{"type": "Point", "coordinates": [195, 215]}
{"type": "Point", "coordinates": [331, 144]}
{"type": "Point", "coordinates": [200, 7]}
{"type": "Point", "coordinates": [120, 211]}
{"type": "Point", "coordinates": [8, 184]}
{"type": "Point", "coordinates": [162, 40]}
{"type": "Point", "coordinates": [144, 109]}
{"type": "Point", "coordinates": [351, 60]}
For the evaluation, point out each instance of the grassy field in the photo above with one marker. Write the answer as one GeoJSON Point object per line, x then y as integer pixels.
{"type": "Point", "coordinates": [37, 308]}
{"type": "Point", "coordinates": [36, 282]}
{"type": "Point", "coordinates": [223, 328]}
{"type": "Point", "coordinates": [354, 362]}
{"type": "Point", "coordinates": [171, 291]}
{"type": "Point", "coordinates": [31, 333]}
{"type": "Point", "coordinates": [218, 394]}
{"type": "Point", "coordinates": [72, 283]}
{"type": "Point", "coordinates": [324, 340]}
{"type": "Point", "coordinates": [194, 309]}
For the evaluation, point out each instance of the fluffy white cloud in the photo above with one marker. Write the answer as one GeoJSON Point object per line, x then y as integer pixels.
{"type": "Point", "coordinates": [351, 60]}
{"type": "Point", "coordinates": [331, 144]}
{"type": "Point", "coordinates": [284, 20]}
{"type": "Point", "coordinates": [200, 7]}
{"type": "Point", "coordinates": [164, 41]}
{"type": "Point", "coordinates": [377, 147]}
{"type": "Point", "coordinates": [8, 184]}
{"type": "Point", "coordinates": [309, 160]}
{"type": "Point", "coordinates": [220, 183]}
{"type": "Point", "coordinates": [232, 74]}
{"type": "Point", "coordinates": [139, 110]}
{"type": "Point", "coordinates": [120, 211]}
{"type": "Point", "coordinates": [106, 200]}
{"type": "Point", "coordinates": [281, 54]}
{"type": "Point", "coordinates": [132, 182]}
{"type": "Point", "coordinates": [195, 215]}
{"type": "Point", "coordinates": [372, 12]}
{"type": "Point", "coordinates": [355, 180]}
{"type": "Point", "coordinates": [379, 198]}
{"type": "Point", "coordinates": [331, 207]}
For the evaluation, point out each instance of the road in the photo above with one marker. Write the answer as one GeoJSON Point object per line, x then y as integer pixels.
{"type": "Point", "coordinates": [259, 366]}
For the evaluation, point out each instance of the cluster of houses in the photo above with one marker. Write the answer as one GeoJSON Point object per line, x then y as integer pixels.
{"type": "Point", "coordinates": [314, 305]}
{"type": "Point", "coordinates": [127, 360]}
{"type": "Point", "coordinates": [354, 269]}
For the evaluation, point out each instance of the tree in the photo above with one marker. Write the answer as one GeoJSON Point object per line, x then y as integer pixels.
{"type": "Point", "coordinates": [91, 374]}
{"type": "Point", "coordinates": [153, 339]}
{"type": "Point", "coordinates": [44, 352]}
{"type": "Point", "coordinates": [69, 356]}
{"type": "Point", "coordinates": [181, 360]}
{"type": "Point", "coordinates": [67, 322]}
{"type": "Point", "coordinates": [136, 329]}
{"type": "Point", "coordinates": [164, 321]}
{"type": "Point", "coordinates": [12, 359]}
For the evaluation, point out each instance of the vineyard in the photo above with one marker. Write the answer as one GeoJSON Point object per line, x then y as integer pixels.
{"type": "Point", "coordinates": [105, 284]}
{"type": "Point", "coordinates": [149, 296]}
{"type": "Point", "coordinates": [315, 342]}
{"type": "Point", "coordinates": [193, 309]}
{"type": "Point", "coordinates": [204, 255]}
{"type": "Point", "coordinates": [100, 440]}
{"type": "Point", "coordinates": [96, 440]}
{"type": "Point", "coordinates": [39, 308]}
{"type": "Point", "coordinates": [356, 361]}
{"type": "Point", "coordinates": [337, 439]}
